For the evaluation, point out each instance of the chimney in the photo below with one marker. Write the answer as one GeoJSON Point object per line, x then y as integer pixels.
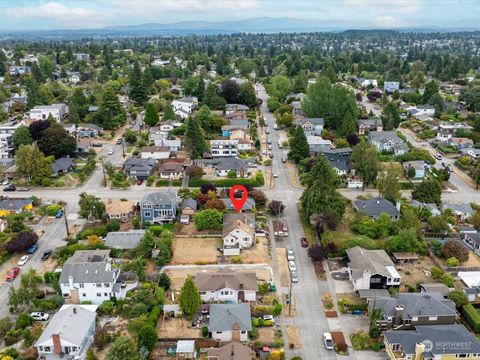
{"type": "Point", "coordinates": [397, 205]}
{"type": "Point", "coordinates": [74, 310]}
{"type": "Point", "coordinates": [398, 314]}
{"type": "Point", "coordinates": [57, 345]}
{"type": "Point", "coordinates": [70, 282]}
{"type": "Point", "coordinates": [240, 286]}
{"type": "Point", "coordinates": [419, 351]}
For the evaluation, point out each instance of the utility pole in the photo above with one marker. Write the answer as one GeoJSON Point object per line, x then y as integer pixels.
{"type": "Point", "coordinates": [66, 221]}
{"type": "Point", "coordinates": [123, 148]}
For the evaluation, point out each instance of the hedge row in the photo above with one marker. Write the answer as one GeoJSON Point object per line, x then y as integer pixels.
{"type": "Point", "coordinates": [472, 316]}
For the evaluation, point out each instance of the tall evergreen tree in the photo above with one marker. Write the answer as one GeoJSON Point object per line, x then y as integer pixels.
{"type": "Point", "coordinates": [151, 115]}
{"type": "Point", "coordinates": [299, 148]}
{"type": "Point", "coordinates": [391, 116]}
{"type": "Point", "coordinates": [137, 92]}
{"type": "Point", "coordinates": [111, 113]}
{"type": "Point", "coordinates": [189, 299]}
{"type": "Point", "coordinates": [247, 95]}
{"type": "Point", "coordinates": [147, 80]}
{"type": "Point", "coordinates": [204, 117]}
{"type": "Point", "coordinates": [168, 113]}
{"type": "Point", "coordinates": [365, 159]}
{"type": "Point", "coordinates": [194, 139]}
{"type": "Point", "coordinates": [33, 94]}
{"type": "Point", "coordinates": [73, 116]}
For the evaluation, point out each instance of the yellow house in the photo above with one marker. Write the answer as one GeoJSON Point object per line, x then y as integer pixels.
{"type": "Point", "coordinates": [432, 342]}
{"type": "Point", "coordinates": [15, 206]}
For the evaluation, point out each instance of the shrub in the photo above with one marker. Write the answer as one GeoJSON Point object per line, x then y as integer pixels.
{"type": "Point", "coordinates": [23, 321]}
{"type": "Point", "coordinates": [436, 272]}
{"type": "Point", "coordinates": [150, 180]}
{"type": "Point", "coordinates": [205, 332]}
{"type": "Point", "coordinates": [236, 260]}
{"type": "Point", "coordinates": [472, 316]}
{"type": "Point", "coordinates": [113, 225]}
{"type": "Point", "coordinates": [448, 279]}
{"type": "Point", "coordinates": [453, 261]}
{"type": "Point", "coordinates": [458, 297]}
{"type": "Point", "coordinates": [106, 308]}
{"type": "Point", "coordinates": [454, 248]}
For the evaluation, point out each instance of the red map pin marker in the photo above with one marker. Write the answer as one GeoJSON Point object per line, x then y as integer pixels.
{"type": "Point", "coordinates": [238, 203]}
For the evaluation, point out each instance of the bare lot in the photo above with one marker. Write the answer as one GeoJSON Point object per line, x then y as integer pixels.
{"type": "Point", "coordinates": [258, 254]}
{"type": "Point", "coordinates": [176, 328]}
{"type": "Point", "coordinates": [413, 273]}
{"type": "Point", "coordinates": [283, 266]}
{"type": "Point", "coordinates": [266, 335]}
{"type": "Point", "coordinates": [195, 251]}
{"type": "Point", "coordinates": [293, 337]}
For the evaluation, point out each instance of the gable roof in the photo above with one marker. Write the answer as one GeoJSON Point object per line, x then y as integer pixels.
{"type": "Point", "coordinates": [135, 162]}
{"type": "Point", "coordinates": [164, 197]}
{"type": "Point", "coordinates": [87, 256]}
{"type": "Point", "coordinates": [375, 207]}
{"type": "Point", "coordinates": [458, 208]}
{"type": "Point", "coordinates": [435, 287]}
{"type": "Point", "coordinates": [374, 261]}
{"type": "Point", "coordinates": [124, 239]}
{"type": "Point", "coordinates": [249, 203]}
{"type": "Point", "coordinates": [384, 136]}
{"type": "Point", "coordinates": [14, 204]}
{"type": "Point", "coordinates": [444, 339]}
{"type": "Point", "coordinates": [231, 351]}
{"type": "Point", "coordinates": [226, 278]}
{"type": "Point", "coordinates": [231, 222]}
{"type": "Point", "coordinates": [62, 164]}
{"type": "Point", "coordinates": [71, 322]}
{"type": "Point", "coordinates": [416, 304]}
{"type": "Point", "coordinates": [189, 202]}
{"type": "Point", "coordinates": [224, 317]}
{"type": "Point", "coordinates": [93, 272]}
{"type": "Point", "coordinates": [313, 121]}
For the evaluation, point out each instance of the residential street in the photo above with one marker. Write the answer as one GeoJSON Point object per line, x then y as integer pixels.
{"type": "Point", "coordinates": [307, 293]}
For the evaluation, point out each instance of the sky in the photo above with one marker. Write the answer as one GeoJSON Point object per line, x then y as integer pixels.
{"type": "Point", "coordinates": [88, 14]}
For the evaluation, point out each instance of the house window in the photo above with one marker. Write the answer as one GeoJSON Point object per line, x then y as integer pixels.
{"type": "Point", "coordinates": [243, 332]}
{"type": "Point", "coordinates": [460, 356]}
{"type": "Point", "coordinates": [106, 284]}
{"type": "Point", "coordinates": [218, 332]}
{"type": "Point", "coordinates": [147, 206]}
{"type": "Point", "coordinates": [414, 318]}
{"type": "Point", "coordinates": [147, 214]}
{"type": "Point", "coordinates": [47, 349]}
{"type": "Point", "coordinates": [81, 285]}
{"type": "Point", "coordinates": [98, 285]}
{"type": "Point", "coordinates": [105, 294]}
{"type": "Point", "coordinates": [99, 294]}
{"type": "Point", "coordinates": [432, 318]}
{"type": "Point", "coordinates": [396, 347]}
{"type": "Point", "coordinates": [40, 348]}
{"type": "Point", "coordinates": [84, 295]}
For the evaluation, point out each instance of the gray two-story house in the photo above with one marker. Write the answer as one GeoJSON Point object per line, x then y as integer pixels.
{"type": "Point", "coordinates": [407, 310]}
{"type": "Point", "coordinates": [159, 207]}
{"type": "Point", "coordinates": [139, 168]}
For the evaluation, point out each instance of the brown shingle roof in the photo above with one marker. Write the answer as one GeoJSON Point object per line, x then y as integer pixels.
{"type": "Point", "coordinates": [226, 278]}
{"type": "Point", "coordinates": [231, 351]}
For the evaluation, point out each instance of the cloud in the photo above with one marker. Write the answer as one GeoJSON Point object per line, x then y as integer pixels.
{"type": "Point", "coordinates": [394, 6]}
{"type": "Point", "coordinates": [61, 15]}
{"type": "Point", "coordinates": [388, 21]}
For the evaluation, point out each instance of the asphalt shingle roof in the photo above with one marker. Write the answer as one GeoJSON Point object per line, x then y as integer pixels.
{"type": "Point", "coordinates": [223, 317]}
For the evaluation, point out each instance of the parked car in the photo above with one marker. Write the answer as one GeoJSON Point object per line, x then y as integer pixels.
{"type": "Point", "coordinates": [449, 169]}
{"type": "Point", "coordinates": [327, 340]}
{"type": "Point", "coordinates": [23, 260]}
{"type": "Point", "coordinates": [270, 147]}
{"type": "Point", "coordinates": [269, 141]}
{"type": "Point", "coordinates": [294, 277]}
{"type": "Point", "coordinates": [290, 255]}
{"type": "Point", "coordinates": [12, 273]}
{"type": "Point", "coordinates": [268, 318]}
{"type": "Point", "coordinates": [10, 188]}
{"type": "Point", "coordinates": [438, 157]}
{"type": "Point", "coordinates": [39, 316]}
{"type": "Point", "coordinates": [111, 151]}
{"type": "Point", "coordinates": [275, 175]}
{"type": "Point", "coordinates": [292, 266]}
{"type": "Point", "coordinates": [270, 154]}
{"type": "Point", "coordinates": [46, 255]}
{"type": "Point", "coordinates": [32, 249]}
{"type": "Point", "coordinates": [304, 242]}
{"type": "Point", "coordinates": [5, 182]}
{"type": "Point", "coordinates": [59, 214]}
{"type": "Point", "coordinates": [267, 131]}
{"type": "Point", "coordinates": [119, 142]}
{"type": "Point", "coordinates": [284, 159]}
{"type": "Point", "coordinates": [23, 188]}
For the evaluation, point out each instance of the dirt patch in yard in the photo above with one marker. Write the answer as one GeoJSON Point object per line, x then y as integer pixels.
{"type": "Point", "coordinates": [331, 313]}
{"type": "Point", "coordinates": [283, 266]}
{"type": "Point", "coordinates": [338, 338]}
{"type": "Point", "coordinates": [473, 260]}
{"type": "Point", "coordinates": [195, 250]}
{"type": "Point", "coordinates": [174, 328]}
{"type": "Point", "coordinates": [266, 335]}
{"type": "Point", "coordinates": [413, 273]}
{"type": "Point", "coordinates": [257, 254]}
{"type": "Point", "coordinates": [319, 271]}
{"type": "Point", "coordinates": [293, 337]}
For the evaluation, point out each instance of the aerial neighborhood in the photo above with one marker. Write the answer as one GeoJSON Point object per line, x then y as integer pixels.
{"type": "Point", "coordinates": [232, 195]}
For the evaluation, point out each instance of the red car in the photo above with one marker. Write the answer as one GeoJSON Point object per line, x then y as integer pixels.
{"type": "Point", "coordinates": [304, 242]}
{"type": "Point", "coordinates": [12, 273]}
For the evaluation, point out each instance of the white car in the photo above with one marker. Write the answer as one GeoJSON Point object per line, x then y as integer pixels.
{"type": "Point", "coordinates": [275, 175]}
{"type": "Point", "coordinates": [327, 340]}
{"type": "Point", "coordinates": [5, 182]}
{"type": "Point", "coordinates": [39, 316]}
{"type": "Point", "coordinates": [294, 277]}
{"type": "Point", "coordinates": [268, 318]}
{"type": "Point", "coordinates": [292, 266]}
{"type": "Point", "coordinates": [23, 260]}
{"type": "Point", "coordinates": [110, 152]}
{"type": "Point", "coordinates": [290, 255]}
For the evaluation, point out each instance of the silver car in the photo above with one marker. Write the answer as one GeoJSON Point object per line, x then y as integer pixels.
{"type": "Point", "coordinates": [294, 277]}
{"type": "Point", "coordinates": [290, 255]}
{"type": "Point", "coordinates": [292, 266]}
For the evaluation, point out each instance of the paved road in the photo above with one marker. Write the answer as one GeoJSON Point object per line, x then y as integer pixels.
{"type": "Point", "coordinates": [307, 293]}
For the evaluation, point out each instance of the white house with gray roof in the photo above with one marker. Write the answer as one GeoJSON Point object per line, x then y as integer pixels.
{"type": "Point", "coordinates": [90, 279]}
{"type": "Point", "coordinates": [184, 106]}
{"type": "Point", "coordinates": [230, 322]}
{"type": "Point", "coordinates": [371, 269]}
{"type": "Point", "coordinates": [461, 211]}
{"type": "Point", "coordinates": [388, 141]}
{"type": "Point", "coordinates": [68, 334]}
{"type": "Point", "coordinates": [227, 285]}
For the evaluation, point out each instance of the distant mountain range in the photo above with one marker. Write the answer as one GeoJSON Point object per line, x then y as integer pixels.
{"type": "Point", "coordinates": [251, 25]}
